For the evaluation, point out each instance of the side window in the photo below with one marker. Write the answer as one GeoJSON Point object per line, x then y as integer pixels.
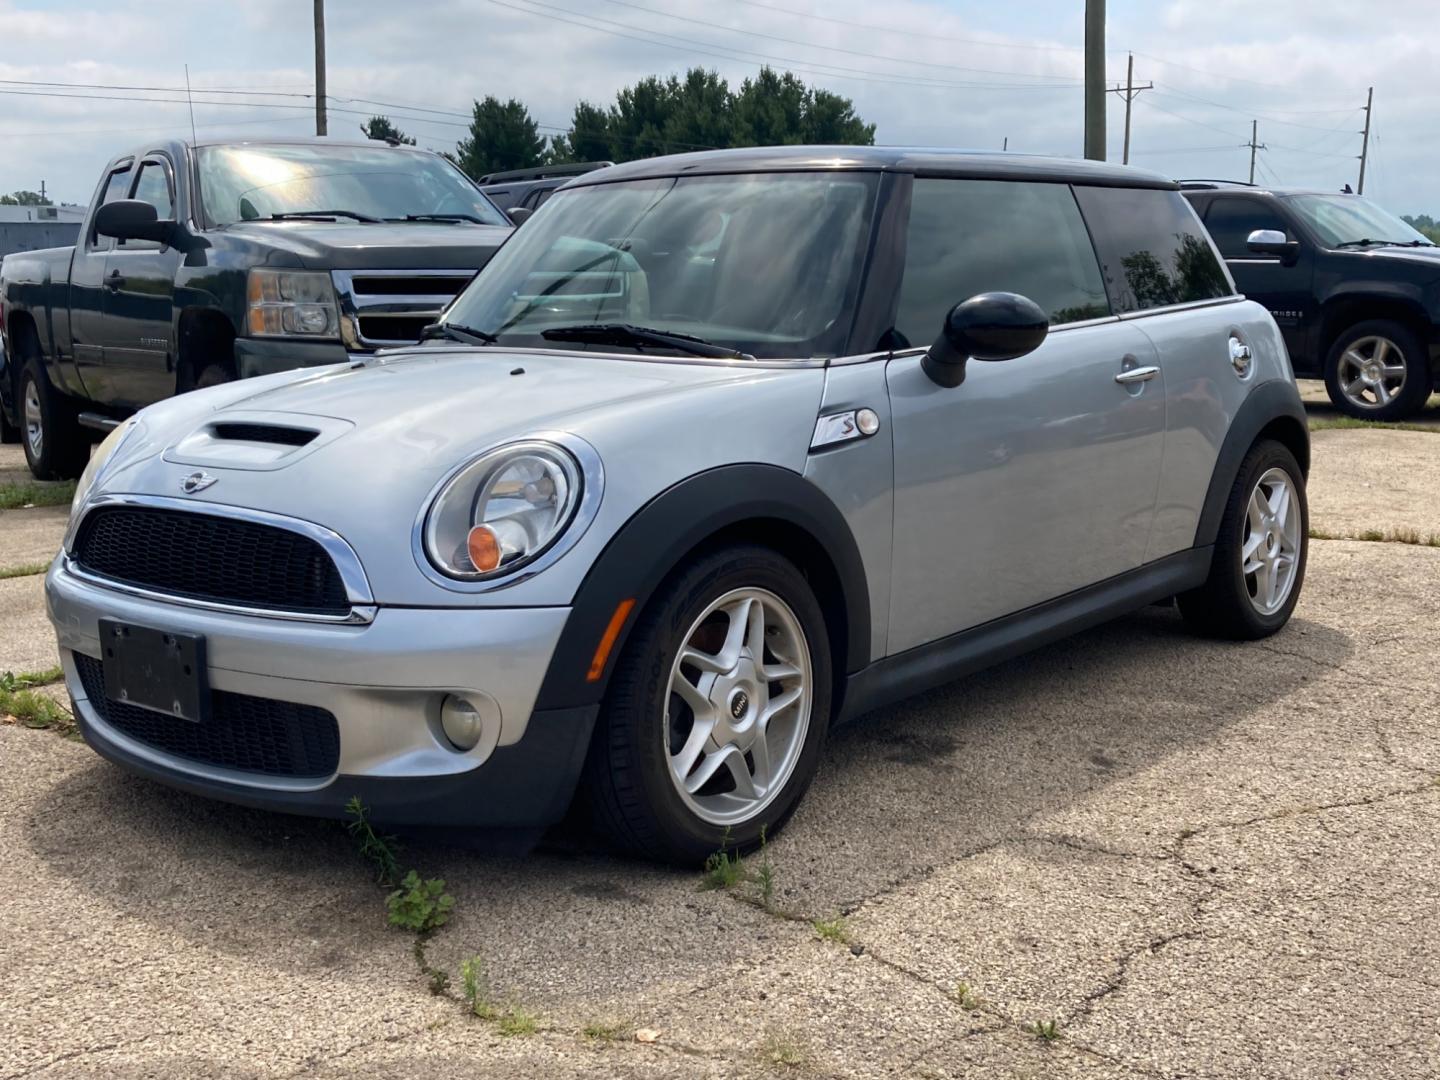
{"type": "Point", "coordinates": [117, 186]}
{"type": "Point", "coordinates": [973, 236]}
{"type": "Point", "coordinates": [1153, 250]}
{"type": "Point", "coordinates": [153, 187]}
{"type": "Point", "coordinates": [1232, 219]}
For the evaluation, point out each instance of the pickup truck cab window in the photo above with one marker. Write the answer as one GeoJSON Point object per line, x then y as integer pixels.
{"type": "Point", "coordinates": [1153, 249]}
{"type": "Point", "coordinates": [1232, 218]}
{"type": "Point", "coordinates": [972, 236]}
{"type": "Point", "coordinates": [152, 186]}
{"type": "Point", "coordinates": [117, 186]}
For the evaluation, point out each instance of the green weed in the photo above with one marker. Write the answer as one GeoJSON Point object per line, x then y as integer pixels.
{"type": "Point", "coordinates": [382, 852]}
{"type": "Point", "coordinates": [476, 989]}
{"type": "Point", "coordinates": [420, 906]}
{"type": "Point", "coordinates": [1046, 1030]}
{"type": "Point", "coordinates": [516, 1022]}
{"type": "Point", "coordinates": [24, 570]}
{"type": "Point", "coordinates": [29, 709]}
{"type": "Point", "coordinates": [765, 875]}
{"type": "Point", "coordinates": [782, 1050]}
{"type": "Point", "coordinates": [1348, 423]}
{"type": "Point", "coordinates": [966, 997]}
{"type": "Point", "coordinates": [836, 930]}
{"type": "Point", "coordinates": [26, 493]}
{"type": "Point", "coordinates": [608, 1030]}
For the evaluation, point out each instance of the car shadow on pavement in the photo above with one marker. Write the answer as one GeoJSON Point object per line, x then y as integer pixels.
{"type": "Point", "coordinates": [905, 790]}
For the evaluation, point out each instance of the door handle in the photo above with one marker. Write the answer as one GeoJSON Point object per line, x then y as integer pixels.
{"type": "Point", "coordinates": [1137, 375]}
{"type": "Point", "coordinates": [115, 281]}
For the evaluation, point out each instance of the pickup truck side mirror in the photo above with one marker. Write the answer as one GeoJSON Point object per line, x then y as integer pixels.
{"type": "Point", "coordinates": [131, 219]}
{"type": "Point", "coordinates": [990, 326]}
{"type": "Point", "coordinates": [1273, 242]}
{"type": "Point", "coordinates": [519, 215]}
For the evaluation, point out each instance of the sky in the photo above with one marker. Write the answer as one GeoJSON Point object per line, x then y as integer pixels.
{"type": "Point", "coordinates": [926, 72]}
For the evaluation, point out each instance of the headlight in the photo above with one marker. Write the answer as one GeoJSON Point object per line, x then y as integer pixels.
{"type": "Point", "coordinates": [502, 510]}
{"type": "Point", "coordinates": [291, 303]}
{"type": "Point", "coordinates": [99, 457]}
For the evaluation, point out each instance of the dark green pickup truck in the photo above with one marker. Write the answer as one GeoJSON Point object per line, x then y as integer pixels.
{"type": "Point", "coordinates": [203, 262]}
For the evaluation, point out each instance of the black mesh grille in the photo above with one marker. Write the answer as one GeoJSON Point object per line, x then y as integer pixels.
{"type": "Point", "coordinates": [211, 558]}
{"type": "Point", "coordinates": [248, 734]}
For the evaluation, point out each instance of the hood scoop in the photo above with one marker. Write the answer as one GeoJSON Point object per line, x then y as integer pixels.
{"type": "Point", "coordinates": [256, 441]}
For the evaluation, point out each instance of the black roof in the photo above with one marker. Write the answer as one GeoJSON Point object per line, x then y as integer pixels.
{"type": "Point", "coordinates": [921, 161]}
{"type": "Point", "coordinates": [177, 144]}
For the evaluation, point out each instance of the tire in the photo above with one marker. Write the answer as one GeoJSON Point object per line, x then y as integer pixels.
{"type": "Point", "coordinates": [1379, 370]}
{"type": "Point", "coordinates": [56, 448]}
{"type": "Point", "coordinates": [631, 794]}
{"type": "Point", "coordinates": [1232, 603]}
{"type": "Point", "coordinates": [213, 373]}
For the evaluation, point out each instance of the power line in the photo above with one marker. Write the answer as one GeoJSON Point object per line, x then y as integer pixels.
{"type": "Point", "coordinates": [1150, 104]}
{"type": "Point", "coordinates": [869, 55]}
{"type": "Point", "coordinates": [1172, 92]}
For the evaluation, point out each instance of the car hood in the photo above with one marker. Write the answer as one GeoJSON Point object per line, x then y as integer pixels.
{"type": "Point", "coordinates": [1430, 256]}
{"type": "Point", "coordinates": [392, 428]}
{"type": "Point", "coordinates": [381, 246]}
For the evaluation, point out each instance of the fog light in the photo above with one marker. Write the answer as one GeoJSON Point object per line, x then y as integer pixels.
{"type": "Point", "coordinates": [462, 722]}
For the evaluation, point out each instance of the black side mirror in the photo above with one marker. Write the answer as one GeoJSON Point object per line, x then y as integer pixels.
{"type": "Point", "coordinates": [519, 215]}
{"type": "Point", "coordinates": [1273, 242]}
{"type": "Point", "coordinates": [131, 219]}
{"type": "Point", "coordinates": [990, 326]}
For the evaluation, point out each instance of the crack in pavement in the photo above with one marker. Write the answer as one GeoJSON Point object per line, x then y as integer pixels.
{"type": "Point", "coordinates": [89, 1050]}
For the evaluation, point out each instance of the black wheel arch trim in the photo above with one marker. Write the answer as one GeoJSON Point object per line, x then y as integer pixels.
{"type": "Point", "coordinates": [1278, 400]}
{"type": "Point", "coordinates": [648, 547]}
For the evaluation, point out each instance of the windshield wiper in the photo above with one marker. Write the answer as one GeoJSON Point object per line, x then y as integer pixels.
{"type": "Point", "coordinates": [366, 218]}
{"type": "Point", "coordinates": [1367, 242]}
{"type": "Point", "coordinates": [640, 336]}
{"type": "Point", "coordinates": [450, 331]}
{"type": "Point", "coordinates": [439, 217]}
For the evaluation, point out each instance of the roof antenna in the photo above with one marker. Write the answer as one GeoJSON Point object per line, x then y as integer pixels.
{"type": "Point", "coordinates": [193, 138]}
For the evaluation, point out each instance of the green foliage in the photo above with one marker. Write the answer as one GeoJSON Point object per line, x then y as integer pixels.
{"type": "Point", "coordinates": [517, 1021]}
{"type": "Point", "coordinates": [32, 710]}
{"type": "Point", "coordinates": [9, 681]}
{"type": "Point", "coordinates": [503, 135]}
{"type": "Point", "coordinates": [29, 493]}
{"type": "Point", "coordinates": [421, 906]}
{"type": "Point", "coordinates": [1425, 225]}
{"type": "Point", "coordinates": [836, 930]}
{"type": "Point", "coordinates": [476, 989]}
{"type": "Point", "coordinates": [382, 852]}
{"type": "Point", "coordinates": [381, 129]}
{"type": "Point", "coordinates": [765, 876]}
{"type": "Point", "coordinates": [1354, 423]}
{"type": "Point", "coordinates": [966, 997]}
{"type": "Point", "coordinates": [23, 570]}
{"type": "Point", "coordinates": [779, 1048]}
{"type": "Point", "coordinates": [608, 1030]}
{"type": "Point", "coordinates": [1045, 1030]}
{"type": "Point", "coordinates": [24, 198]}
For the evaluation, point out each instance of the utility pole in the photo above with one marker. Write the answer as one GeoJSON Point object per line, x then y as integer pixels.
{"type": "Point", "coordinates": [1095, 80]}
{"type": "Point", "coordinates": [1003, 148]}
{"type": "Point", "coordinates": [1365, 145]}
{"type": "Point", "coordinates": [1130, 93]}
{"type": "Point", "coordinates": [320, 67]}
{"type": "Point", "coordinates": [1254, 146]}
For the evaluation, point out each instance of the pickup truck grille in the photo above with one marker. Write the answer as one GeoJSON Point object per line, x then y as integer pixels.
{"type": "Point", "coordinates": [216, 559]}
{"type": "Point", "coordinates": [382, 308]}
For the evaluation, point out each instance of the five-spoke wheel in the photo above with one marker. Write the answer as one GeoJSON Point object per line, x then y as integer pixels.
{"type": "Point", "coordinates": [1379, 370]}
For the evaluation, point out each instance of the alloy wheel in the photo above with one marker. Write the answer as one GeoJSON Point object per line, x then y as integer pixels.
{"type": "Point", "coordinates": [1372, 372]}
{"type": "Point", "coordinates": [738, 707]}
{"type": "Point", "coordinates": [1270, 553]}
{"type": "Point", "coordinates": [34, 421]}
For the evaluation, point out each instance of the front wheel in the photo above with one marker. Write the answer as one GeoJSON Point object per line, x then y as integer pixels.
{"type": "Point", "coordinates": [1259, 561]}
{"type": "Point", "coordinates": [716, 714]}
{"type": "Point", "coordinates": [55, 447]}
{"type": "Point", "coordinates": [1379, 370]}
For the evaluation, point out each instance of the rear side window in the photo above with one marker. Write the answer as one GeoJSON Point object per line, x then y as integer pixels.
{"type": "Point", "coordinates": [1231, 220]}
{"type": "Point", "coordinates": [973, 236]}
{"type": "Point", "coordinates": [1153, 251]}
{"type": "Point", "coordinates": [153, 187]}
{"type": "Point", "coordinates": [117, 186]}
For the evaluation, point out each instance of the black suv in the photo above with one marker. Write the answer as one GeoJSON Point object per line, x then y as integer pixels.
{"type": "Point", "coordinates": [527, 189]}
{"type": "Point", "coordinates": [1355, 290]}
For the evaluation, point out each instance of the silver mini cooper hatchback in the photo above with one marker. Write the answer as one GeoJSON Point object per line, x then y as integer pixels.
{"type": "Point", "coordinates": [718, 451]}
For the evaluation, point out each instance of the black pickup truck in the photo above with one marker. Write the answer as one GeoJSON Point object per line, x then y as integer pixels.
{"type": "Point", "coordinates": [203, 262]}
{"type": "Point", "coordinates": [1355, 290]}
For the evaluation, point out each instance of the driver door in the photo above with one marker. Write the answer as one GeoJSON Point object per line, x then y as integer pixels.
{"type": "Point", "coordinates": [1036, 476]}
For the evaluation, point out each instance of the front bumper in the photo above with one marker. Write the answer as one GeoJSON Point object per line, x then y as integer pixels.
{"type": "Point", "coordinates": [383, 682]}
{"type": "Point", "coordinates": [266, 356]}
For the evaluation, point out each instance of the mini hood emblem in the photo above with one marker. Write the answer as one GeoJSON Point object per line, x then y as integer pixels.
{"type": "Point", "coordinates": [197, 481]}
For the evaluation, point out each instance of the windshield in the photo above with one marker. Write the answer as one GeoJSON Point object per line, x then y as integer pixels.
{"type": "Point", "coordinates": [1349, 219]}
{"type": "Point", "coordinates": [245, 183]}
{"type": "Point", "coordinates": [766, 264]}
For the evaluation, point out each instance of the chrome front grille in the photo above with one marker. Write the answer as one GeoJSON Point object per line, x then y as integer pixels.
{"type": "Point", "coordinates": [381, 308]}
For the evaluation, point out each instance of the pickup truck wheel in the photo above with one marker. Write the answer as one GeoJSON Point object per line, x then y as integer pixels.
{"type": "Point", "coordinates": [55, 447]}
{"type": "Point", "coordinates": [1379, 370]}
{"type": "Point", "coordinates": [716, 714]}
{"type": "Point", "coordinates": [1259, 561]}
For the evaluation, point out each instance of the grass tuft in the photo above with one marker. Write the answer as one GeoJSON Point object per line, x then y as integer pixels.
{"type": "Point", "coordinates": [723, 870]}
{"type": "Point", "coordinates": [19, 700]}
{"type": "Point", "coordinates": [25, 493]}
{"type": "Point", "coordinates": [1351, 423]}
{"type": "Point", "coordinates": [966, 997]}
{"type": "Point", "coordinates": [476, 989]}
{"type": "Point", "coordinates": [29, 569]}
{"type": "Point", "coordinates": [836, 930]}
{"type": "Point", "coordinates": [782, 1050]}
{"type": "Point", "coordinates": [1045, 1030]}
{"type": "Point", "coordinates": [608, 1030]}
{"type": "Point", "coordinates": [517, 1022]}
{"type": "Point", "coordinates": [1400, 535]}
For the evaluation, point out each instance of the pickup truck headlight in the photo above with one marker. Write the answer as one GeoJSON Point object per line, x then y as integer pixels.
{"type": "Point", "coordinates": [292, 303]}
{"type": "Point", "coordinates": [502, 510]}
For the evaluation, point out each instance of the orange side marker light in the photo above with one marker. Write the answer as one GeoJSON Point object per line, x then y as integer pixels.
{"type": "Point", "coordinates": [607, 639]}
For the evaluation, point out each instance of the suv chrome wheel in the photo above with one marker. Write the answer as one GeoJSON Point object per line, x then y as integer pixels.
{"type": "Point", "coordinates": [34, 420]}
{"type": "Point", "coordinates": [738, 706]}
{"type": "Point", "coordinates": [1270, 552]}
{"type": "Point", "coordinates": [1372, 372]}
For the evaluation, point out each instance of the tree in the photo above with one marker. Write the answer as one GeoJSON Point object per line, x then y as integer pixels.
{"type": "Point", "coordinates": [589, 136]}
{"type": "Point", "coordinates": [381, 129]}
{"type": "Point", "coordinates": [1425, 225]}
{"type": "Point", "coordinates": [24, 198]}
{"type": "Point", "coordinates": [502, 136]}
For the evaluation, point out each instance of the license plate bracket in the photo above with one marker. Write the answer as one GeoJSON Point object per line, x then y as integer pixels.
{"type": "Point", "coordinates": [159, 670]}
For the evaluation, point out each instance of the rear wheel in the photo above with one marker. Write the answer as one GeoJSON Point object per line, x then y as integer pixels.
{"type": "Point", "coordinates": [1379, 370]}
{"type": "Point", "coordinates": [55, 446]}
{"type": "Point", "coordinates": [1259, 561]}
{"type": "Point", "coordinates": [716, 714]}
